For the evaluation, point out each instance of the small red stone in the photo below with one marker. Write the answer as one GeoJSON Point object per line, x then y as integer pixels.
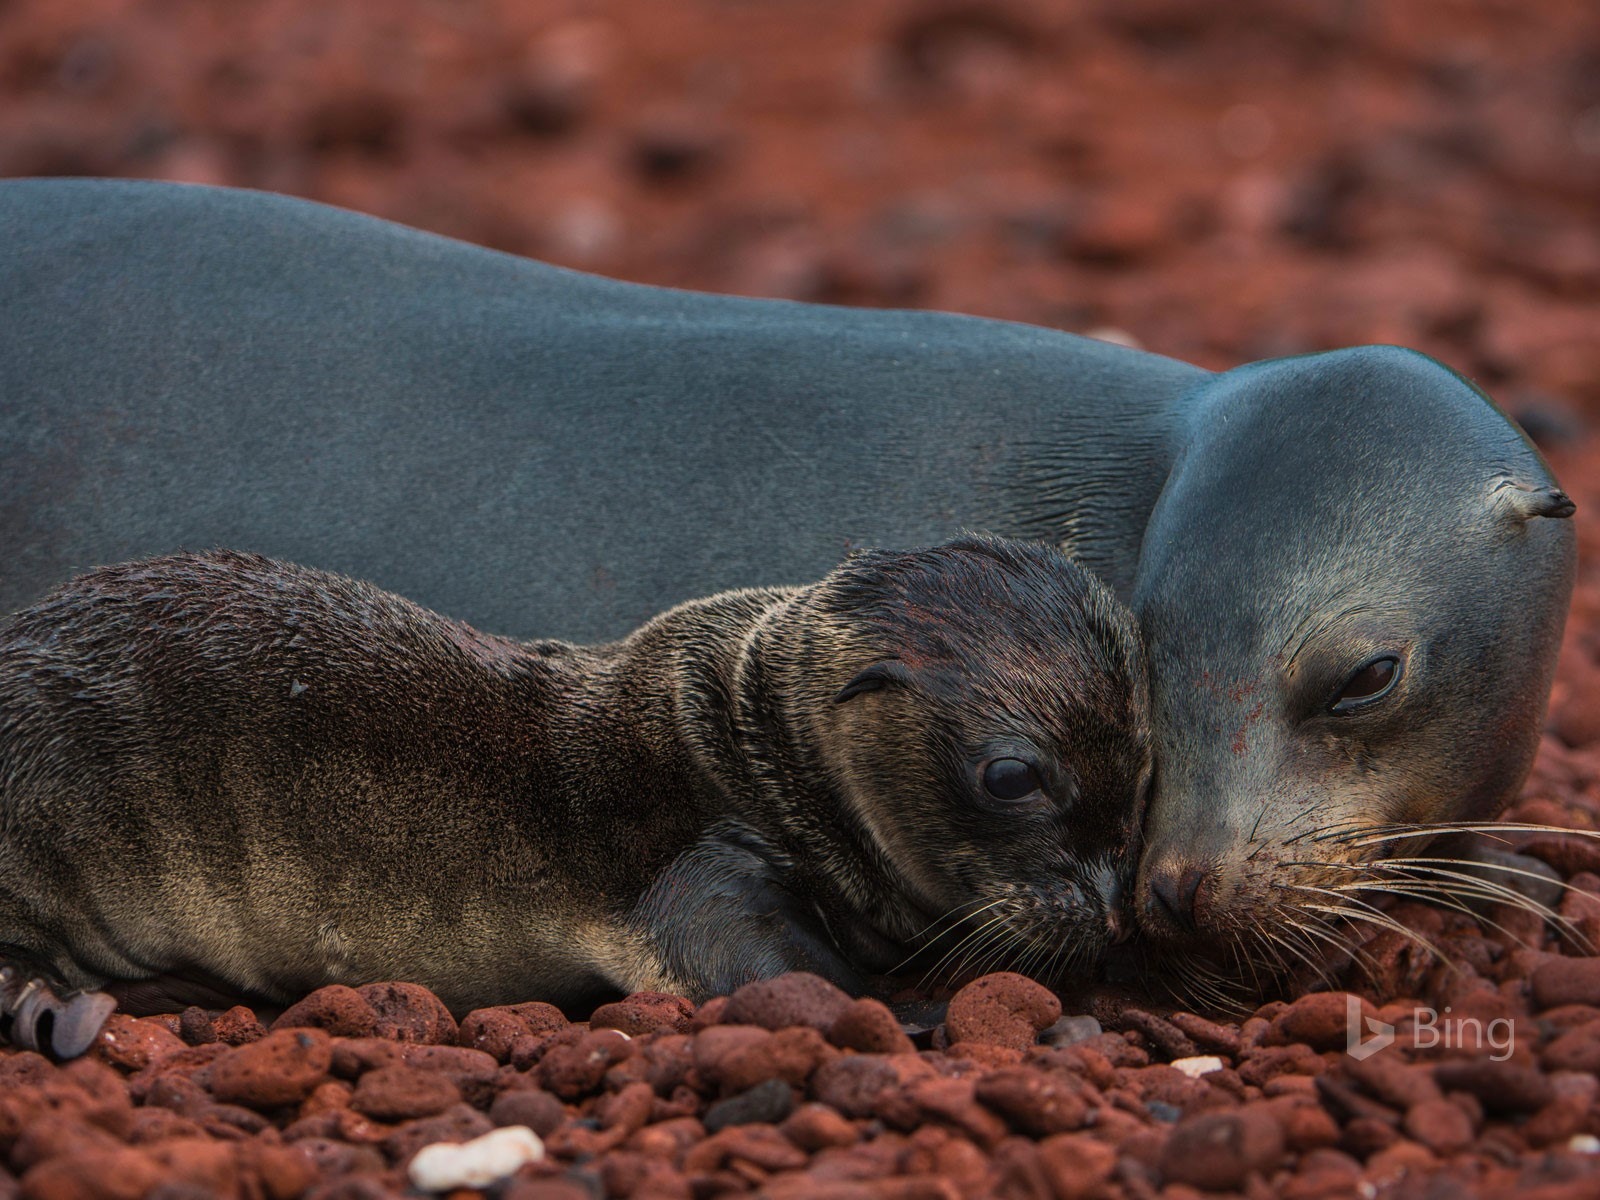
{"type": "Point", "coordinates": [282, 1068]}
{"type": "Point", "coordinates": [868, 1026]}
{"type": "Point", "coordinates": [1219, 1151]}
{"type": "Point", "coordinates": [402, 1093]}
{"type": "Point", "coordinates": [408, 1012]}
{"type": "Point", "coordinates": [798, 998]}
{"type": "Point", "coordinates": [644, 1012]}
{"type": "Point", "coordinates": [1567, 981]}
{"type": "Point", "coordinates": [339, 1010]}
{"type": "Point", "coordinates": [1003, 1009]}
{"type": "Point", "coordinates": [1440, 1125]}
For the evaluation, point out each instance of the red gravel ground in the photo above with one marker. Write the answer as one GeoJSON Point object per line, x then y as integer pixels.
{"type": "Point", "coordinates": [1216, 182]}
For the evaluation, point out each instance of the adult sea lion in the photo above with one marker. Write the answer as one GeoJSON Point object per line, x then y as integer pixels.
{"type": "Point", "coordinates": [520, 444]}
{"type": "Point", "coordinates": [223, 776]}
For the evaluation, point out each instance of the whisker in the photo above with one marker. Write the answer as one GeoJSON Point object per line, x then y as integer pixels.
{"type": "Point", "coordinates": [1331, 938]}
{"type": "Point", "coordinates": [952, 916]}
{"type": "Point", "coordinates": [1376, 918]}
{"type": "Point", "coordinates": [1382, 833]}
{"type": "Point", "coordinates": [1486, 888]}
{"type": "Point", "coordinates": [980, 932]}
{"type": "Point", "coordinates": [1507, 868]}
{"type": "Point", "coordinates": [1442, 895]}
{"type": "Point", "coordinates": [1368, 913]}
{"type": "Point", "coordinates": [955, 918]}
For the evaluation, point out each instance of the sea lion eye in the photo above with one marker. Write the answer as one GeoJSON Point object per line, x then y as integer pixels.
{"type": "Point", "coordinates": [1368, 683]}
{"type": "Point", "coordinates": [1011, 779]}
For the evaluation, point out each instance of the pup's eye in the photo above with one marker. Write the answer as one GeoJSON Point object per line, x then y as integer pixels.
{"type": "Point", "coordinates": [1010, 779]}
{"type": "Point", "coordinates": [1368, 683]}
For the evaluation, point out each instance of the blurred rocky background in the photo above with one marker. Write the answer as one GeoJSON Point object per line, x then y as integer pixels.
{"type": "Point", "coordinates": [1216, 182]}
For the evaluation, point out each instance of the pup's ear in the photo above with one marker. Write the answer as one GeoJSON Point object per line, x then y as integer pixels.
{"type": "Point", "coordinates": [878, 676]}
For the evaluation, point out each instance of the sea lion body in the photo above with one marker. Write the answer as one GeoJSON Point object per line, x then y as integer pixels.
{"type": "Point", "coordinates": [226, 776]}
{"type": "Point", "coordinates": [503, 439]}
{"type": "Point", "coordinates": [538, 452]}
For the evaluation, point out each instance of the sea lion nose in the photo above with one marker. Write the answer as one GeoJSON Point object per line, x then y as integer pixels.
{"type": "Point", "coordinates": [1175, 893]}
{"type": "Point", "coordinates": [1118, 926]}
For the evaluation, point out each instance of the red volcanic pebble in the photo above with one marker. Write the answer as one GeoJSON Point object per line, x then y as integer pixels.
{"type": "Point", "coordinates": [496, 1031]}
{"type": "Point", "coordinates": [1561, 981]}
{"type": "Point", "coordinates": [1501, 1087]}
{"type": "Point", "coordinates": [237, 1026]}
{"type": "Point", "coordinates": [1208, 1036]}
{"type": "Point", "coordinates": [1319, 1020]}
{"type": "Point", "coordinates": [1003, 1010]}
{"type": "Point", "coordinates": [1576, 1050]}
{"type": "Point", "coordinates": [644, 1012]}
{"type": "Point", "coordinates": [1220, 1151]}
{"type": "Point", "coordinates": [458, 1123]}
{"type": "Point", "coordinates": [815, 1127]}
{"type": "Point", "coordinates": [103, 1174]}
{"type": "Point", "coordinates": [573, 1069]}
{"type": "Point", "coordinates": [738, 1057]}
{"type": "Point", "coordinates": [339, 1010]}
{"type": "Point", "coordinates": [1394, 1081]}
{"type": "Point", "coordinates": [868, 1026]}
{"type": "Point", "coordinates": [195, 1027]}
{"type": "Point", "coordinates": [282, 1068]}
{"type": "Point", "coordinates": [1442, 1126]}
{"type": "Point", "coordinates": [1567, 854]}
{"type": "Point", "coordinates": [406, 1012]}
{"type": "Point", "coordinates": [401, 1093]}
{"type": "Point", "coordinates": [133, 1042]}
{"type": "Point", "coordinates": [1036, 1102]}
{"type": "Point", "coordinates": [1077, 1167]}
{"type": "Point", "coordinates": [855, 1083]}
{"type": "Point", "coordinates": [538, 1110]}
{"type": "Point", "coordinates": [795, 999]}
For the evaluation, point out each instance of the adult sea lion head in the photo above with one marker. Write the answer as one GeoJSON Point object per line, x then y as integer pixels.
{"type": "Point", "coordinates": [977, 715]}
{"type": "Point", "coordinates": [1352, 590]}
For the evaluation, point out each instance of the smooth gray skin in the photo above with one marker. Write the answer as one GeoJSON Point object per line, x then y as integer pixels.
{"type": "Point", "coordinates": [532, 450]}
{"type": "Point", "coordinates": [538, 451]}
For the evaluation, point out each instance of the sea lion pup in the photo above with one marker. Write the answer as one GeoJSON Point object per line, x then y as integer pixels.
{"type": "Point", "coordinates": [224, 775]}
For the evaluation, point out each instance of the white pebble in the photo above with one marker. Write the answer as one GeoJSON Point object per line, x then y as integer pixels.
{"type": "Point", "coordinates": [1584, 1143]}
{"type": "Point", "coordinates": [1201, 1064]}
{"type": "Point", "coordinates": [483, 1160]}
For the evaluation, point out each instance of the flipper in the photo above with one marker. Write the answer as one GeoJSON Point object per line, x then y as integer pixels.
{"type": "Point", "coordinates": [34, 1017]}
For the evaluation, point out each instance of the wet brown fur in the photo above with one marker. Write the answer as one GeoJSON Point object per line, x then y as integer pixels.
{"type": "Point", "coordinates": [226, 775]}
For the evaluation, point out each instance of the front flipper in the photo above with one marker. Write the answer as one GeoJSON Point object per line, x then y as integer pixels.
{"type": "Point", "coordinates": [35, 1017]}
{"type": "Point", "coordinates": [722, 915]}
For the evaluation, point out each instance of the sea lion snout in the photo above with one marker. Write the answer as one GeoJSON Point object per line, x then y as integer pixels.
{"type": "Point", "coordinates": [1173, 895]}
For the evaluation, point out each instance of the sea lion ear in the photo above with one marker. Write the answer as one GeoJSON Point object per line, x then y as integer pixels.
{"type": "Point", "coordinates": [1523, 503]}
{"type": "Point", "coordinates": [875, 678]}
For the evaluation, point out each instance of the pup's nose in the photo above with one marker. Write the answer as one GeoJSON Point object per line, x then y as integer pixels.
{"type": "Point", "coordinates": [1175, 894]}
{"type": "Point", "coordinates": [1118, 926]}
